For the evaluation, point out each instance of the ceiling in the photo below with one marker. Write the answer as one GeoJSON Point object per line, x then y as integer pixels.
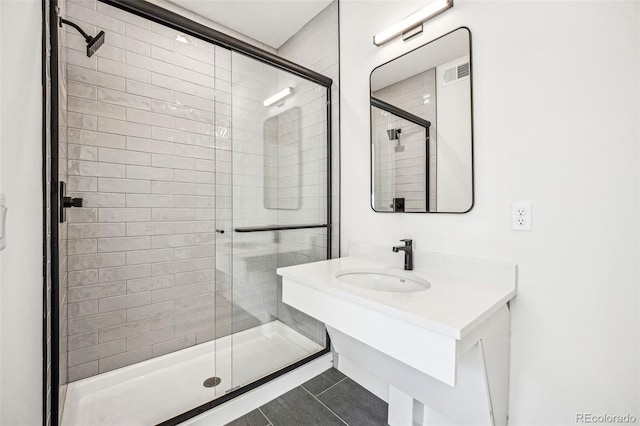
{"type": "Point", "coordinates": [271, 22]}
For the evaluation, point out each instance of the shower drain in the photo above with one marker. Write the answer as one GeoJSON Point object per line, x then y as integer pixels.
{"type": "Point", "coordinates": [211, 382]}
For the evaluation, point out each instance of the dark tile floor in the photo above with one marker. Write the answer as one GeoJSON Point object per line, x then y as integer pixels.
{"type": "Point", "coordinates": [328, 399]}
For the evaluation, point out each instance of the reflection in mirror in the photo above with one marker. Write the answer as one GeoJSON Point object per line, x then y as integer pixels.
{"type": "Point", "coordinates": [421, 129]}
{"type": "Point", "coordinates": [282, 161]}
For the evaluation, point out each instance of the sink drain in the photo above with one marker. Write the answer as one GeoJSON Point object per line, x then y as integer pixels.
{"type": "Point", "coordinates": [211, 382]}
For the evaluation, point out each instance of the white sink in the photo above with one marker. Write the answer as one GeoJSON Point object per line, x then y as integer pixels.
{"type": "Point", "coordinates": [439, 356]}
{"type": "Point", "coordinates": [383, 280]}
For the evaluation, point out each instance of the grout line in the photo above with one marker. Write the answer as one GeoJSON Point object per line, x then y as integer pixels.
{"type": "Point", "coordinates": [330, 410]}
{"type": "Point", "coordinates": [341, 380]}
{"type": "Point", "coordinates": [265, 416]}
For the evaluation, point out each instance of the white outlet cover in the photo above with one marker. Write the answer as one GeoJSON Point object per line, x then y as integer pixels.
{"type": "Point", "coordinates": [521, 216]}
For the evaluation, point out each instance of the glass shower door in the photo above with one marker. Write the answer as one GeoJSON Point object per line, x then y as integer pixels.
{"type": "Point", "coordinates": [201, 171]}
{"type": "Point", "coordinates": [280, 157]}
{"type": "Point", "coordinates": [149, 154]}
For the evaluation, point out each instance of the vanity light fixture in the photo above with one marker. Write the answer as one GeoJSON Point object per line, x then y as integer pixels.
{"type": "Point", "coordinates": [278, 96]}
{"type": "Point", "coordinates": [412, 24]}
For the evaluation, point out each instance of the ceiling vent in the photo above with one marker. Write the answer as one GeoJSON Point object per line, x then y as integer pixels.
{"type": "Point", "coordinates": [455, 73]}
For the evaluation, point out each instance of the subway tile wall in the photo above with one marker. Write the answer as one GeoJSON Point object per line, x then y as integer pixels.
{"type": "Point", "coordinates": [303, 187]}
{"type": "Point", "coordinates": [254, 289]}
{"type": "Point", "coordinates": [151, 122]}
{"type": "Point", "coordinates": [403, 173]}
{"type": "Point", "coordinates": [146, 157]}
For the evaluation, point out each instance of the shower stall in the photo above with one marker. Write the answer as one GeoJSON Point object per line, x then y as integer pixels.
{"type": "Point", "coordinates": [187, 166]}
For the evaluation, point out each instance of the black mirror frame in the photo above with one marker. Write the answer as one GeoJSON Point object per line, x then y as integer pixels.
{"type": "Point", "coordinates": [472, 125]}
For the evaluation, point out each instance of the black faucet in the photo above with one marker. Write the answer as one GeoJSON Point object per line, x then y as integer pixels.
{"type": "Point", "coordinates": [407, 248]}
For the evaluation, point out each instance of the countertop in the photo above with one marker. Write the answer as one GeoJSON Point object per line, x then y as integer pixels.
{"type": "Point", "coordinates": [454, 305]}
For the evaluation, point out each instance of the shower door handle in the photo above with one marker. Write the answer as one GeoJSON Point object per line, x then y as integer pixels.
{"type": "Point", "coordinates": [67, 202]}
{"type": "Point", "coordinates": [71, 202]}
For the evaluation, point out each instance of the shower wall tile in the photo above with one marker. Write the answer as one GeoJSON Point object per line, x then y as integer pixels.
{"type": "Point", "coordinates": [150, 173]}
{"type": "Point", "coordinates": [149, 256]}
{"type": "Point", "coordinates": [92, 138]}
{"type": "Point", "coordinates": [122, 360]}
{"type": "Point", "coordinates": [123, 331]}
{"type": "Point", "coordinates": [82, 309]}
{"type": "Point", "coordinates": [150, 131]}
{"type": "Point", "coordinates": [123, 99]}
{"type": "Point", "coordinates": [85, 215]}
{"type": "Point", "coordinates": [150, 91]}
{"type": "Point", "coordinates": [146, 340]}
{"type": "Point", "coordinates": [147, 63]}
{"type": "Point", "coordinates": [316, 47]}
{"type": "Point", "coordinates": [128, 44]}
{"type": "Point", "coordinates": [81, 121]}
{"type": "Point", "coordinates": [122, 70]}
{"type": "Point", "coordinates": [149, 145]}
{"type": "Point", "coordinates": [125, 128]}
{"type": "Point", "coordinates": [149, 228]}
{"type": "Point", "coordinates": [116, 303]}
{"type": "Point", "coordinates": [139, 200]}
{"type": "Point", "coordinates": [153, 311]}
{"type": "Point", "coordinates": [124, 273]}
{"type": "Point", "coordinates": [88, 168]}
{"type": "Point", "coordinates": [92, 353]}
{"type": "Point", "coordinates": [137, 33]}
{"type": "Point", "coordinates": [83, 340]}
{"type": "Point", "coordinates": [82, 246]}
{"type": "Point", "coordinates": [97, 199]}
{"type": "Point", "coordinates": [173, 135]}
{"type": "Point", "coordinates": [126, 186]}
{"type": "Point", "coordinates": [90, 4]}
{"type": "Point", "coordinates": [92, 261]}
{"type": "Point", "coordinates": [83, 371]}
{"type": "Point", "coordinates": [95, 323]}
{"type": "Point", "coordinates": [167, 82]}
{"type": "Point", "coordinates": [91, 17]}
{"type": "Point", "coordinates": [90, 292]}
{"type": "Point", "coordinates": [162, 160]}
{"type": "Point", "coordinates": [124, 215]}
{"type": "Point", "coordinates": [99, 79]}
{"type": "Point", "coordinates": [169, 346]}
{"type": "Point", "coordinates": [83, 278]}
{"type": "Point", "coordinates": [100, 109]}
{"type": "Point", "coordinates": [148, 284]}
{"type": "Point", "coordinates": [149, 118]}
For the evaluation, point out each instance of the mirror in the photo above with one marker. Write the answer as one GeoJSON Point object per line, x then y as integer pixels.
{"type": "Point", "coordinates": [421, 129]}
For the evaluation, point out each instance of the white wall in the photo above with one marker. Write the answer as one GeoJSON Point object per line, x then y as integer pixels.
{"type": "Point", "coordinates": [556, 122]}
{"type": "Point", "coordinates": [21, 174]}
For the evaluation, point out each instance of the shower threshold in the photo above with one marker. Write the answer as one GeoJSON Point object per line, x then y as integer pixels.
{"type": "Point", "coordinates": [158, 389]}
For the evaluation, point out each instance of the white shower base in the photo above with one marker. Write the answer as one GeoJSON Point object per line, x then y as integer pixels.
{"type": "Point", "coordinates": [152, 391]}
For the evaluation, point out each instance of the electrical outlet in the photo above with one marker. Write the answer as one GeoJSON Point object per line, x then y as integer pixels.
{"type": "Point", "coordinates": [521, 216]}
